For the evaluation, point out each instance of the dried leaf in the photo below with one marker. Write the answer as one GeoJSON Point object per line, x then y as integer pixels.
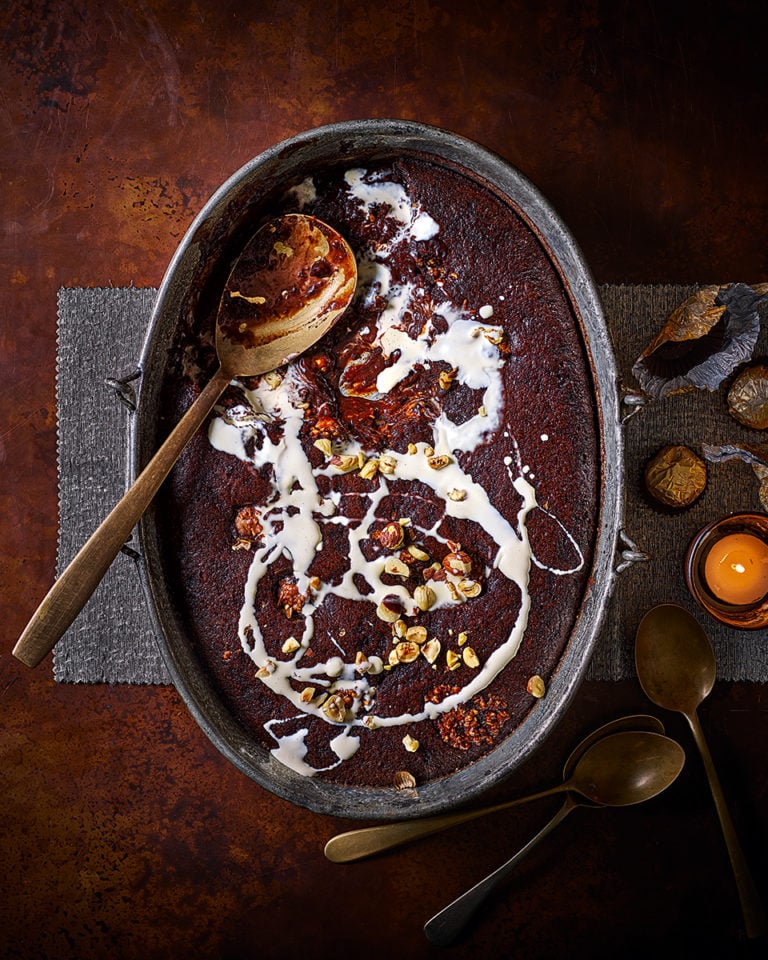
{"type": "Point", "coordinates": [703, 341]}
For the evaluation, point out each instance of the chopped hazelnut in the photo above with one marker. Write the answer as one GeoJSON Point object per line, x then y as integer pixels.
{"type": "Point", "coordinates": [417, 553]}
{"type": "Point", "coordinates": [470, 588]}
{"type": "Point", "coordinates": [416, 634]}
{"type": "Point", "coordinates": [273, 379]}
{"type": "Point", "coordinates": [407, 651]}
{"type": "Point", "coordinates": [424, 596]}
{"type": "Point", "coordinates": [387, 463]}
{"type": "Point", "coordinates": [457, 561]}
{"type": "Point", "coordinates": [446, 378]}
{"type": "Point", "coordinates": [345, 464]}
{"type": "Point", "coordinates": [470, 657]}
{"type": "Point", "coordinates": [389, 609]}
{"type": "Point", "coordinates": [291, 645]}
{"type": "Point", "coordinates": [453, 660]}
{"type": "Point", "coordinates": [399, 628]}
{"type": "Point", "coordinates": [391, 536]}
{"type": "Point", "coordinates": [369, 469]}
{"type": "Point", "coordinates": [404, 780]}
{"type": "Point", "coordinates": [335, 709]}
{"type": "Point", "coordinates": [431, 650]}
{"type": "Point", "coordinates": [396, 568]}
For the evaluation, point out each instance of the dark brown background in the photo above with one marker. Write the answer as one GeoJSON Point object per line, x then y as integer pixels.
{"type": "Point", "coordinates": [123, 832]}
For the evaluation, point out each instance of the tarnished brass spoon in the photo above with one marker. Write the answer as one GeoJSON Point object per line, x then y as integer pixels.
{"type": "Point", "coordinates": [290, 284]}
{"type": "Point", "coordinates": [676, 667]}
{"type": "Point", "coordinates": [619, 770]}
{"type": "Point", "coordinates": [366, 841]}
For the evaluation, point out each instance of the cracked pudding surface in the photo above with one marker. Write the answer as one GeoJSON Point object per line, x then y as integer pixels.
{"type": "Point", "coordinates": [376, 548]}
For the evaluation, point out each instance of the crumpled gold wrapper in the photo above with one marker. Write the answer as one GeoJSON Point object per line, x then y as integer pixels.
{"type": "Point", "coordinates": [748, 397]}
{"type": "Point", "coordinates": [676, 476]}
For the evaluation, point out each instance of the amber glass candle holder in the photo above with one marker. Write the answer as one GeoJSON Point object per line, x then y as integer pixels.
{"type": "Point", "coordinates": [726, 569]}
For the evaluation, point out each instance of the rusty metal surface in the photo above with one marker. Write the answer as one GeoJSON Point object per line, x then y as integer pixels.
{"type": "Point", "coordinates": [124, 833]}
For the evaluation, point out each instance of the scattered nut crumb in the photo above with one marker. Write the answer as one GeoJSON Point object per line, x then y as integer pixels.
{"type": "Point", "coordinates": [536, 687]}
{"type": "Point", "coordinates": [369, 470]}
{"type": "Point", "coordinates": [344, 464]}
{"type": "Point", "coordinates": [470, 657]}
{"type": "Point", "coordinates": [424, 596]}
{"type": "Point", "coordinates": [416, 634]}
{"type": "Point", "coordinates": [417, 553]}
{"type": "Point", "coordinates": [267, 669]}
{"type": "Point", "coordinates": [431, 650]}
{"type": "Point", "coordinates": [470, 588]}
{"type": "Point", "coordinates": [396, 568]}
{"type": "Point", "coordinates": [335, 709]}
{"type": "Point", "coordinates": [453, 660]}
{"type": "Point", "coordinates": [291, 645]}
{"type": "Point", "coordinates": [404, 780]}
{"type": "Point", "coordinates": [407, 651]}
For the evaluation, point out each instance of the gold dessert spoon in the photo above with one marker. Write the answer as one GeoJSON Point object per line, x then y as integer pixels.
{"type": "Point", "coordinates": [622, 769]}
{"type": "Point", "coordinates": [676, 667]}
{"type": "Point", "coordinates": [366, 841]}
{"type": "Point", "coordinates": [288, 287]}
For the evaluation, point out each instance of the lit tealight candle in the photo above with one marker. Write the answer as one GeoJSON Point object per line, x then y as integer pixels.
{"type": "Point", "coordinates": [736, 569]}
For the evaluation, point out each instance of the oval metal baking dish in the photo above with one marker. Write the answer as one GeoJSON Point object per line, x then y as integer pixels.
{"type": "Point", "coordinates": [197, 264]}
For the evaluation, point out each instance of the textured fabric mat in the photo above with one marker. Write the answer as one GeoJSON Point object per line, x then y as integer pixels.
{"type": "Point", "coordinates": [101, 332]}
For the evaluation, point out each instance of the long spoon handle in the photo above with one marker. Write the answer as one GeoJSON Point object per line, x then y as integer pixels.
{"type": "Point", "coordinates": [751, 907]}
{"type": "Point", "coordinates": [445, 926]}
{"type": "Point", "coordinates": [71, 591]}
{"type": "Point", "coordinates": [357, 844]}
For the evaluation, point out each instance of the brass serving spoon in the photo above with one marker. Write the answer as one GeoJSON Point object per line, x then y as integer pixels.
{"type": "Point", "coordinates": [364, 842]}
{"type": "Point", "coordinates": [676, 668]}
{"type": "Point", "coordinates": [619, 770]}
{"type": "Point", "coordinates": [290, 284]}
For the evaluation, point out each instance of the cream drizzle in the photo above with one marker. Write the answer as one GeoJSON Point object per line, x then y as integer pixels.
{"type": "Point", "coordinates": [294, 517]}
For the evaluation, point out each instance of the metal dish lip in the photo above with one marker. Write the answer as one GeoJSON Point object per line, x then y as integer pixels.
{"type": "Point", "coordinates": [384, 803]}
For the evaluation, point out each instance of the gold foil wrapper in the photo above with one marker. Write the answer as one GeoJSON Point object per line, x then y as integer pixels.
{"type": "Point", "coordinates": [676, 476]}
{"type": "Point", "coordinates": [748, 397]}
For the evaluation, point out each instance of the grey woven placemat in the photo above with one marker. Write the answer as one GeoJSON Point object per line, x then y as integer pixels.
{"type": "Point", "coordinates": [100, 336]}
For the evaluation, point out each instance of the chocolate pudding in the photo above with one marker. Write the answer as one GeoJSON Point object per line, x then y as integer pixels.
{"type": "Point", "coordinates": [379, 551]}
